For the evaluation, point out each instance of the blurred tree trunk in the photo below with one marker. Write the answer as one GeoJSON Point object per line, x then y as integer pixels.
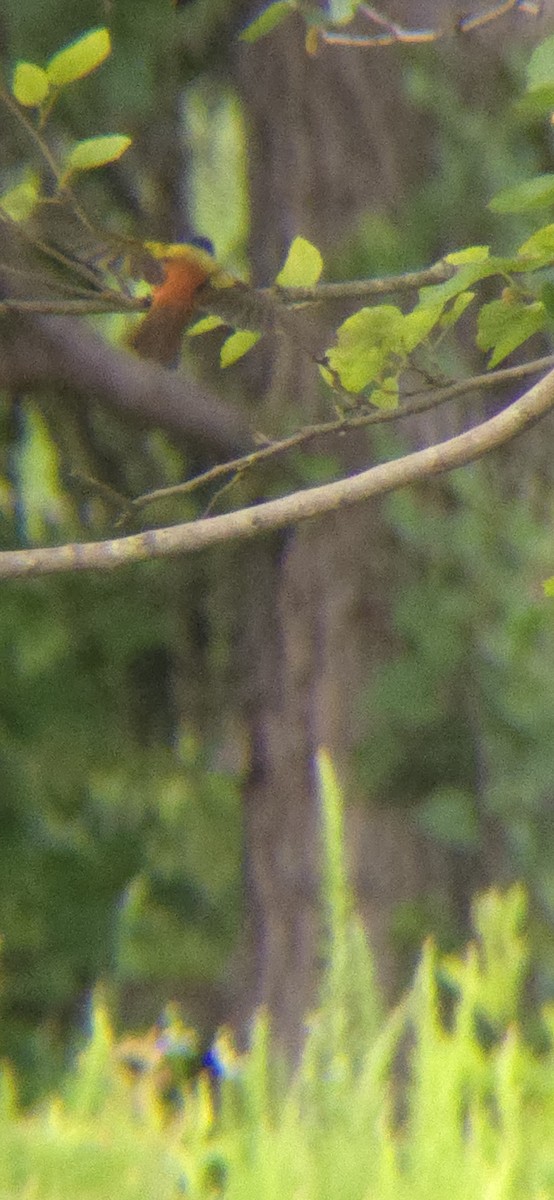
{"type": "Point", "coordinates": [330, 138]}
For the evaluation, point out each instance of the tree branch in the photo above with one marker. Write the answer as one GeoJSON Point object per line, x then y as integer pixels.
{"type": "Point", "coordinates": [393, 33]}
{"type": "Point", "coordinates": [301, 506]}
{"type": "Point", "coordinates": [417, 404]}
{"type": "Point", "coordinates": [37, 354]}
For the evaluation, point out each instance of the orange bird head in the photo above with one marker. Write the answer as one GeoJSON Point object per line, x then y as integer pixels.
{"type": "Point", "coordinates": [186, 267]}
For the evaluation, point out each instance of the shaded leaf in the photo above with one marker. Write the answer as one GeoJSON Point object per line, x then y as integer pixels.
{"type": "Point", "coordinates": [454, 313]}
{"type": "Point", "coordinates": [464, 279]}
{"type": "Point", "coordinates": [540, 69]}
{"type": "Point", "coordinates": [386, 395]}
{"type": "Point", "coordinates": [540, 244]}
{"type": "Point", "coordinates": [418, 324]}
{"type": "Point", "coordinates": [20, 201]}
{"type": "Point", "coordinates": [524, 197]}
{"type": "Point", "coordinates": [30, 85]}
{"type": "Point", "coordinates": [503, 326]}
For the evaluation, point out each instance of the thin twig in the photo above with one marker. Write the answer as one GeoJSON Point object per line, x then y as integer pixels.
{"type": "Point", "coordinates": [257, 519]}
{"type": "Point", "coordinates": [416, 405]}
{"type": "Point", "coordinates": [395, 33]}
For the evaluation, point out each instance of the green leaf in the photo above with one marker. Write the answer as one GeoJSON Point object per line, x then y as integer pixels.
{"type": "Point", "coordinates": [454, 313]}
{"type": "Point", "coordinates": [524, 197]}
{"type": "Point", "coordinates": [30, 85]}
{"type": "Point", "coordinates": [205, 325]}
{"type": "Point", "coordinates": [365, 342]}
{"type": "Point", "coordinates": [303, 265]}
{"type": "Point", "coordinates": [540, 70]}
{"type": "Point", "coordinates": [462, 281]}
{"type": "Point", "coordinates": [20, 201]}
{"type": "Point", "coordinates": [505, 325]}
{"type": "Point", "coordinates": [539, 245]}
{"type": "Point", "coordinates": [471, 254]}
{"type": "Point", "coordinates": [341, 12]}
{"type": "Point", "coordinates": [386, 396]}
{"type": "Point", "coordinates": [268, 20]}
{"type": "Point", "coordinates": [418, 324]}
{"type": "Point", "coordinates": [534, 104]}
{"type": "Point", "coordinates": [79, 58]}
{"type": "Point", "coordinates": [237, 345]}
{"type": "Point", "coordinates": [96, 152]}
{"type": "Point", "coordinates": [548, 586]}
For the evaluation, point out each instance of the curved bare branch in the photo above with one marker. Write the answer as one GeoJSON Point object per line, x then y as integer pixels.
{"type": "Point", "coordinates": [289, 510]}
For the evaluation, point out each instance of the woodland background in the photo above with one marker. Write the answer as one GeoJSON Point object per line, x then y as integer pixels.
{"type": "Point", "coordinates": [158, 725]}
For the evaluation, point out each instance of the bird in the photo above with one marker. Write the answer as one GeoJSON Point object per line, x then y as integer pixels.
{"type": "Point", "coordinates": [185, 267]}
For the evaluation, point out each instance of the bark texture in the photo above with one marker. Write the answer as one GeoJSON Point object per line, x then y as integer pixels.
{"type": "Point", "coordinates": [331, 137]}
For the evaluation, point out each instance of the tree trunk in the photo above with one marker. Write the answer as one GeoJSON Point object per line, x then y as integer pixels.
{"type": "Point", "coordinates": [330, 138]}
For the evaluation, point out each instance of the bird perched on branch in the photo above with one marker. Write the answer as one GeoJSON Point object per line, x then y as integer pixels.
{"type": "Point", "coordinates": [185, 268]}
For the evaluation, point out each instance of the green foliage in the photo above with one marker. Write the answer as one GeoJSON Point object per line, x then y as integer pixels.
{"type": "Point", "coordinates": [458, 718]}
{"type": "Point", "coordinates": [79, 59]}
{"type": "Point", "coordinates": [95, 152]}
{"type": "Point", "coordinates": [33, 86]}
{"type": "Point", "coordinates": [237, 345]}
{"type": "Point", "coordinates": [413, 1103]}
{"type": "Point", "coordinates": [267, 21]}
{"type": "Point", "coordinates": [30, 85]}
{"type": "Point", "coordinates": [505, 324]}
{"type": "Point", "coordinates": [302, 267]}
{"type": "Point", "coordinates": [526, 196]}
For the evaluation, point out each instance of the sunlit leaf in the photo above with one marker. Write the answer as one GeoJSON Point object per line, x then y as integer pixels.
{"type": "Point", "coordinates": [471, 254]}
{"type": "Point", "coordinates": [96, 152]}
{"type": "Point", "coordinates": [30, 85]}
{"type": "Point", "coordinates": [79, 58]}
{"type": "Point", "coordinates": [365, 342]}
{"type": "Point", "coordinates": [526, 196]}
{"type": "Point", "coordinates": [205, 325]}
{"type": "Point", "coordinates": [540, 244]}
{"type": "Point", "coordinates": [303, 265]}
{"type": "Point", "coordinates": [504, 325]}
{"type": "Point", "coordinates": [267, 20]}
{"type": "Point", "coordinates": [548, 586]}
{"type": "Point", "coordinates": [237, 345]}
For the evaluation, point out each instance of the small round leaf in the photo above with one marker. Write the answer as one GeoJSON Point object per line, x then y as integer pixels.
{"type": "Point", "coordinates": [30, 85]}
